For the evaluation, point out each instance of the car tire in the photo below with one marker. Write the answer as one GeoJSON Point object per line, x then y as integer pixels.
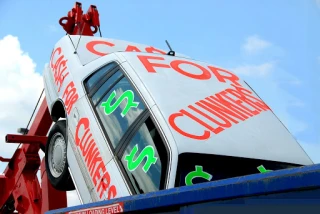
{"type": "Point", "coordinates": [56, 158]}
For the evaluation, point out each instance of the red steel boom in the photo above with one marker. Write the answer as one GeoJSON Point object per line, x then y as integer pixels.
{"type": "Point", "coordinates": [19, 185]}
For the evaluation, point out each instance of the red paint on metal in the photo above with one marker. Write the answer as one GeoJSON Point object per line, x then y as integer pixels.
{"type": "Point", "coordinates": [3, 182]}
{"type": "Point", "coordinates": [26, 139]}
{"type": "Point", "coordinates": [20, 182]}
{"type": "Point", "coordinates": [77, 23]}
{"type": "Point", "coordinates": [49, 194]}
{"type": "Point", "coordinates": [2, 159]}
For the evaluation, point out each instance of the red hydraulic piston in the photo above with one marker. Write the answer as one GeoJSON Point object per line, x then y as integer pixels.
{"type": "Point", "coordinates": [4, 159]}
{"type": "Point", "coordinates": [26, 139]}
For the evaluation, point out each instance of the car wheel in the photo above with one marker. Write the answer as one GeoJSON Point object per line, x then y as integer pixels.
{"type": "Point", "coordinates": [56, 158]}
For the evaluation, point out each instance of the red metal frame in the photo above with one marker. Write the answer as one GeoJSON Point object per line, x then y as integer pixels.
{"type": "Point", "coordinates": [19, 185]}
{"type": "Point", "coordinates": [26, 139]}
{"type": "Point", "coordinates": [77, 23]}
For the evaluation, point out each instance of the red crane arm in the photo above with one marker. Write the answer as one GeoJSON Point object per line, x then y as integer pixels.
{"type": "Point", "coordinates": [19, 184]}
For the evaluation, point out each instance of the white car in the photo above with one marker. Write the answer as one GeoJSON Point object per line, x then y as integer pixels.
{"type": "Point", "coordinates": [131, 119]}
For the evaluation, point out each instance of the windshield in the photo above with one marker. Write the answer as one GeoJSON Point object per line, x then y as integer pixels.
{"type": "Point", "coordinates": [198, 168]}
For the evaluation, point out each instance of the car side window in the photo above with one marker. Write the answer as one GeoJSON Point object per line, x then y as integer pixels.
{"type": "Point", "coordinates": [104, 88]}
{"type": "Point", "coordinates": [118, 109]}
{"type": "Point", "coordinates": [138, 146]}
{"type": "Point", "coordinates": [98, 75]}
{"type": "Point", "coordinates": [145, 159]}
{"type": "Point", "coordinates": [115, 101]}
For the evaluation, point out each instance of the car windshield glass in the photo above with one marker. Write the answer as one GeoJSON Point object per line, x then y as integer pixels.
{"type": "Point", "coordinates": [198, 168]}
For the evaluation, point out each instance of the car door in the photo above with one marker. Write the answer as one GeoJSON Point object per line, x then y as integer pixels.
{"type": "Point", "coordinates": [140, 155]}
{"type": "Point", "coordinates": [103, 179]}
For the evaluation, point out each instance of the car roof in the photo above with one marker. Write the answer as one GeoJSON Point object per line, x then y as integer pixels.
{"type": "Point", "coordinates": [177, 86]}
{"type": "Point", "coordinates": [90, 48]}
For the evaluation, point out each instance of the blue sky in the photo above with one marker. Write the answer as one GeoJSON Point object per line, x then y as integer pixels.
{"type": "Point", "coordinates": [274, 45]}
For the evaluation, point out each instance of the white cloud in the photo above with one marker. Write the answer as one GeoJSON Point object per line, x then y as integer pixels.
{"type": "Point", "coordinates": [254, 44]}
{"type": "Point", "coordinates": [294, 82]}
{"type": "Point", "coordinates": [20, 87]}
{"type": "Point", "coordinates": [318, 56]}
{"type": "Point", "coordinates": [254, 70]}
{"type": "Point", "coordinates": [318, 3]}
{"type": "Point", "coordinates": [53, 28]}
{"type": "Point", "coordinates": [297, 103]}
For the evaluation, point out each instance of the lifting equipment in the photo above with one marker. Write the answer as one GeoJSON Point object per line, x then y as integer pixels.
{"type": "Point", "coordinates": [20, 190]}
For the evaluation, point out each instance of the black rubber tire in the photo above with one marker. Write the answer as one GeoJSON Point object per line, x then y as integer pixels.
{"type": "Point", "coordinates": [64, 181]}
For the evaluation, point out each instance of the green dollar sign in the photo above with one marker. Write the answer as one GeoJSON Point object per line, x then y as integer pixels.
{"type": "Point", "coordinates": [198, 173]}
{"type": "Point", "coordinates": [108, 109]}
{"type": "Point", "coordinates": [262, 169]}
{"type": "Point", "coordinates": [148, 152]}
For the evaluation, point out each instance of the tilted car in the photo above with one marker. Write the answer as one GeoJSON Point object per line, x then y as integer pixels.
{"type": "Point", "coordinates": [131, 119]}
